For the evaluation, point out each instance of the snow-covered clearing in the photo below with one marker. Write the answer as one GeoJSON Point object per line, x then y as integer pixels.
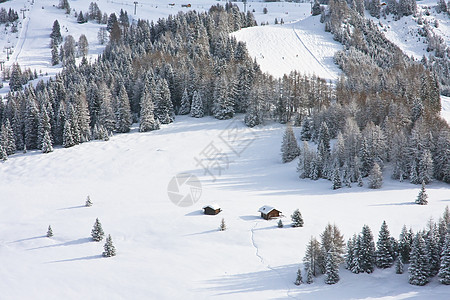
{"type": "Point", "coordinates": [169, 252]}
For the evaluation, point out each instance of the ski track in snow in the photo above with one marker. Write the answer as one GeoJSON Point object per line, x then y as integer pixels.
{"type": "Point", "coordinates": [252, 230]}
{"type": "Point", "coordinates": [312, 54]}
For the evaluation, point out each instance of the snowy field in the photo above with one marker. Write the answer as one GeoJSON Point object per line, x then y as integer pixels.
{"type": "Point", "coordinates": [169, 252]}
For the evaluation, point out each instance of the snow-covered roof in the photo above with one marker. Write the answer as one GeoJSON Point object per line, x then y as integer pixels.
{"type": "Point", "coordinates": [266, 209]}
{"type": "Point", "coordinates": [213, 206]}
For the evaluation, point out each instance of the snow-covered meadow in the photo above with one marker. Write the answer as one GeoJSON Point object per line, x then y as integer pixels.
{"type": "Point", "coordinates": [169, 252]}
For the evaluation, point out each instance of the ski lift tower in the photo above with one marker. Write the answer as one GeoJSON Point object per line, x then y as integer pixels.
{"type": "Point", "coordinates": [245, 5]}
{"type": "Point", "coordinates": [135, 4]}
{"type": "Point", "coordinates": [23, 10]}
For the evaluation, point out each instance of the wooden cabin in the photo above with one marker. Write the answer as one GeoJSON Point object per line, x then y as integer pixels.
{"type": "Point", "coordinates": [212, 209]}
{"type": "Point", "coordinates": [268, 212]}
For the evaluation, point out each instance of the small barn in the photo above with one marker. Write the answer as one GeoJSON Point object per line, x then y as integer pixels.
{"type": "Point", "coordinates": [269, 212]}
{"type": "Point", "coordinates": [212, 209]}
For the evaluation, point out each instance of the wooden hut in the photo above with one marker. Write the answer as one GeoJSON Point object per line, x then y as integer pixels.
{"type": "Point", "coordinates": [212, 209]}
{"type": "Point", "coordinates": [268, 212]}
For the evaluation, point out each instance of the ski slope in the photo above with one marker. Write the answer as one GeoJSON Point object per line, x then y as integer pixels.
{"type": "Point", "coordinates": [302, 45]}
{"type": "Point", "coordinates": [170, 252]}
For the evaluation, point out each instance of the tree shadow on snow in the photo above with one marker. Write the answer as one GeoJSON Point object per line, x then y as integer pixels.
{"type": "Point", "coordinates": [394, 204]}
{"type": "Point", "coordinates": [69, 243]}
{"type": "Point", "coordinates": [194, 213]}
{"type": "Point", "coordinates": [29, 239]}
{"type": "Point", "coordinates": [72, 207]}
{"type": "Point", "coordinates": [76, 259]}
{"type": "Point", "coordinates": [277, 278]}
{"type": "Point", "coordinates": [250, 218]}
{"type": "Point", "coordinates": [203, 232]}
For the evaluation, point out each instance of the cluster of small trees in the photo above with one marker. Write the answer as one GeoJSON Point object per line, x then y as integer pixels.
{"type": "Point", "coordinates": [97, 234]}
{"type": "Point", "coordinates": [426, 253]}
{"type": "Point", "coordinates": [69, 50]}
{"type": "Point", "coordinates": [8, 16]}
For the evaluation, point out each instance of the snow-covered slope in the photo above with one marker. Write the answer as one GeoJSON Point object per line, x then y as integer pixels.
{"type": "Point", "coordinates": [302, 45]}
{"type": "Point", "coordinates": [169, 252]}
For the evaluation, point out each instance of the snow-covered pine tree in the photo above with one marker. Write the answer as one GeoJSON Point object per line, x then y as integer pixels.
{"type": "Point", "coordinates": [97, 232]}
{"type": "Point", "coordinates": [444, 270]}
{"type": "Point", "coordinates": [324, 141]}
{"type": "Point", "coordinates": [433, 247]}
{"type": "Point", "coordinates": [367, 254]}
{"type": "Point", "coordinates": [418, 266]}
{"type": "Point", "coordinates": [332, 266]}
{"type": "Point", "coordinates": [375, 177]}
{"type": "Point", "coordinates": [315, 11]}
{"type": "Point", "coordinates": [299, 279]}
{"type": "Point", "coordinates": [185, 107]}
{"type": "Point", "coordinates": [148, 121]}
{"type": "Point", "coordinates": [55, 55]}
{"type": "Point", "coordinates": [297, 219]}
{"type": "Point", "coordinates": [348, 258]}
{"type": "Point", "coordinates": [223, 103]}
{"type": "Point", "coordinates": [366, 159]}
{"type": "Point", "coordinates": [337, 184]}
{"type": "Point", "coordinates": [88, 201]}
{"type": "Point", "coordinates": [49, 231]}
{"type": "Point", "coordinates": [399, 266]}
{"type": "Point", "coordinates": [305, 134]}
{"type": "Point", "coordinates": [68, 140]}
{"type": "Point", "coordinates": [197, 110]}
{"type": "Point", "coordinates": [289, 146]}
{"type": "Point", "coordinates": [3, 155]}
{"type": "Point", "coordinates": [311, 259]}
{"type": "Point", "coordinates": [110, 250]}
{"type": "Point", "coordinates": [331, 234]}
{"type": "Point", "coordinates": [360, 181]}
{"type": "Point", "coordinates": [422, 196]}
{"type": "Point", "coordinates": [123, 112]}
{"type": "Point", "coordinates": [56, 34]}
{"type": "Point", "coordinates": [384, 253]}
{"type": "Point", "coordinates": [425, 167]}
{"type": "Point", "coordinates": [7, 138]}
{"type": "Point", "coordinates": [404, 244]}
{"type": "Point", "coordinates": [46, 143]}
{"type": "Point", "coordinates": [357, 256]}
{"type": "Point", "coordinates": [222, 226]}
{"type": "Point", "coordinates": [280, 224]}
{"type": "Point", "coordinates": [309, 276]}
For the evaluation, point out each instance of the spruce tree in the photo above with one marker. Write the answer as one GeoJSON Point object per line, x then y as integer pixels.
{"type": "Point", "coordinates": [399, 266]}
{"type": "Point", "coordinates": [349, 254]}
{"type": "Point", "coordinates": [3, 155]}
{"type": "Point", "coordinates": [305, 134]}
{"type": "Point", "coordinates": [418, 267]}
{"type": "Point", "coordinates": [185, 104]}
{"type": "Point", "coordinates": [367, 254]}
{"type": "Point", "coordinates": [197, 110]}
{"type": "Point", "coordinates": [49, 231]}
{"type": "Point", "coordinates": [384, 253]}
{"type": "Point", "coordinates": [404, 245]}
{"type": "Point", "coordinates": [222, 226]}
{"type": "Point", "coordinates": [444, 270]}
{"type": "Point", "coordinates": [123, 112]}
{"type": "Point", "coordinates": [299, 279]}
{"type": "Point", "coordinates": [332, 266]}
{"type": "Point", "coordinates": [324, 141]}
{"type": "Point", "coordinates": [356, 264]}
{"type": "Point", "coordinates": [433, 248]}
{"type": "Point", "coordinates": [148, 121]}
{"type": "Point", "coordinates": [110, 250]}
{"type": "Point", "coordinates": [163, 104]}
{"type": "Point", "coordinates": [309, 276]}
{"type": "Point", "coordinates": [375, 177]}
{"type": "Point", "coordinates": [423, 196]}
{"type": "Point", "coordinates": [46, 143]}
{"type": "Point", "coordinates": [289, 146]}
{"type": "Point", "coordinates": [97, 232]}
{"type": "Point", "coordinates": [88, 201]}
{"type": "Point", "coordinates": [297, 219]}
{"type": "Point", "coordinates": [337, 184]}
{"type": "Point", "coordinates": [55, 55]}
{"type": "Point", "coordinates": [68, 140]}
{"type": "Point", "coordinates": [280, 224]}
{"type": "Point", "coordinates": [56, 34]}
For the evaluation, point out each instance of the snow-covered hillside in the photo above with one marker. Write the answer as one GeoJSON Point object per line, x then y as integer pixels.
{"type": "Point", "coordinates": [169, 252]}
{"type": "Point", "coordinates": [303, 46]}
